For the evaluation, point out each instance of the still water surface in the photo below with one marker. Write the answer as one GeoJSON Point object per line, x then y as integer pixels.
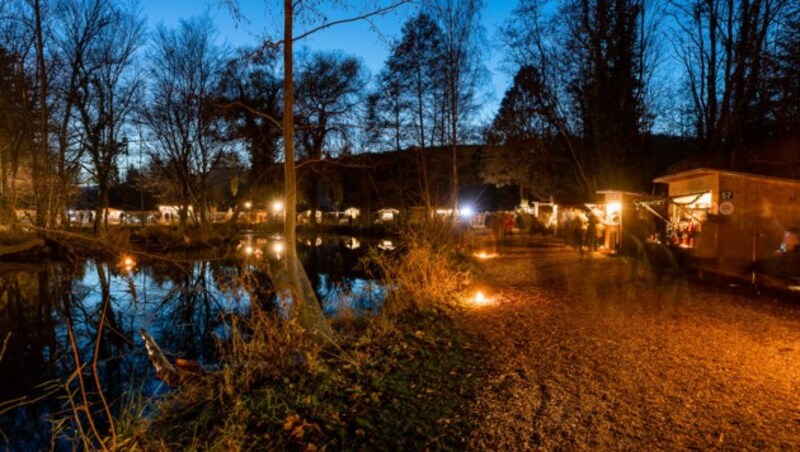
{"type": "Point", "coordinates": [185, 306]}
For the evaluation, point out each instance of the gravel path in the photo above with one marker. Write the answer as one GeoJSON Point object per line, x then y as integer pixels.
{"type": "Point", "coordinates": [578, 356]}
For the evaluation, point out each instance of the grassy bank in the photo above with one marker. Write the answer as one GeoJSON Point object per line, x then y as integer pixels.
{"type": "Point", "coordinates": [400, 379]}
{"type": "Point", "coordinates": [390, 384]}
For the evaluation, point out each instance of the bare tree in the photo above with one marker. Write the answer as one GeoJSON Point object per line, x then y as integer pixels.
{"type": "Point", "coordinates": [15, 129]}
{"type": "Point", "coordinates": [725, 46]}
{"type": "Point", "coordinates": [185, 63]}
{"type": "Point", "coordinates": [461, 72]}
{"type": "Point", "coordinates": [306, 307]}
{"type": "Point", "coordinates": [106, 96]}
{"type": "Point", "coordinates": [40, 156]}
{"type": "Point", "coordinates": [76, 26]}
{"type": "Point", "coordinates": [592, 61]}
{"type": "Point", "coordinates": [786, 74]}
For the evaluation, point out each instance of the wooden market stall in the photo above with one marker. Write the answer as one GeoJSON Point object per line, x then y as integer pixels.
{"type": "Point", "coordinates": [728, 220]}
{"type": "Point", "coordinates": [615, 213]}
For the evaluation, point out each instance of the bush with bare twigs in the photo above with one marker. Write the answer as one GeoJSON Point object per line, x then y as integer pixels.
{"type": "Point", "coordinates": [428, 273]}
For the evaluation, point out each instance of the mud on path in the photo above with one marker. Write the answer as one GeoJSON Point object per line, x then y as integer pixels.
{"type": "Point", "coordinates": [579, 356]}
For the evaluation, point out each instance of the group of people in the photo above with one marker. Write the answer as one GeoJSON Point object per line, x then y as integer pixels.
{"type": "Point", "coordinates": [500, 224]}
{"type": "Point", "coordinates": [585, 230]}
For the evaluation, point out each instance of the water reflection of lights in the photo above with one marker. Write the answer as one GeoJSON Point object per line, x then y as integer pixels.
{"type": "Point", "coordinates": [386, 245]}
{"type": "Point", "coordinates": [352, 243]}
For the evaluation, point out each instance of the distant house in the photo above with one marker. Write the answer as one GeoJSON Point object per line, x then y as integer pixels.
{"type": "Point", "coordinates": [171, 214]}
{"type": "Point", "coordinates": [727, 220]}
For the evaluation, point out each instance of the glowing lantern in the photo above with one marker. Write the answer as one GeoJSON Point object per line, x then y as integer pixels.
{"type": "Point", "coordinates": [484, 255]}
{"type": "Point", "coordinates": [480, 298]}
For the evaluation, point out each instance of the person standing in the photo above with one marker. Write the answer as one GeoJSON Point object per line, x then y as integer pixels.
{"type": "Point", "coordinates": [591, 232]}
{"type": "Point", "coordinates": [580, 230]}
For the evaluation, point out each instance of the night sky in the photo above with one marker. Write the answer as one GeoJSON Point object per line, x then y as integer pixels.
{"type": "Point", "coordinates": [358, 38]}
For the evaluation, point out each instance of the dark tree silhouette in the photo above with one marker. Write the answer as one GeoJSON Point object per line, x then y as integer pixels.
{"type": "Point", "coordinates": [330, 89]}
{"type": "Point", "coordinates": [525, 153]}
{"type": "Point", "coordinates": [184, 70]}
{"type": "Point", "coordinates": [725, 47]}
{"type": "Point", "coordinates": [108, 92]}
{"type": "Point", "coordinates": [250, 100]}
{"type": "Point", "coordinates": [591, 59]}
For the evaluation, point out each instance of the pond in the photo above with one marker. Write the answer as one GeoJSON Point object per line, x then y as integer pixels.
{"type": "Point", "coordinates": [183, 304]}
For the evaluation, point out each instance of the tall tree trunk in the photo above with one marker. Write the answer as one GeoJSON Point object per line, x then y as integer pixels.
{"type": "Point", "coordinates": [422, 164]}
{"type": "Point", "coordinates": [454, 146]}
{"type": "Point", "coordinates": [40, 155]}
{"type": "Point", "coordinates": [100, 223]}
{"type": "Point", "coordinates": [305, 305]}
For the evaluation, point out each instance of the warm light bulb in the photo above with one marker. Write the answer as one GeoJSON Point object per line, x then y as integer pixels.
{"type": "Point", "coordinates": [278, 248]}
{"type": "Point", "coordinates": [248, 250]}
{"type": "Point", "coordinates": [479, 298]}
{"type": "Point", "coordinates": [277, 206]}
{"type": "Point", "coordinates": [128, 263]}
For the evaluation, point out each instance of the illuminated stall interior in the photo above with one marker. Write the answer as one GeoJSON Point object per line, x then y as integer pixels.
{"type": "Point", "coordinates": [687, 213]}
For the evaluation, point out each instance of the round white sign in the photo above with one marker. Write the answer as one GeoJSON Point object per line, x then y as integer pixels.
{"type": "Point", "coordinates": [726, 208]}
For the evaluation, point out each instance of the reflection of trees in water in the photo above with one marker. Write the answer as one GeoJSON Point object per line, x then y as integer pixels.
{"type": "Point", "coordinates": [336, 274]}
{"type": "Point", "coordinates": [188, 312]}
{"type": "Point", "coordinates": [181, 305]}
{"type": "Point", "coordinates": [323, 258]}
{"type": "Point", "coordinates": [27, 293]}
{"type": "Point", "coordinates": [181, 308]}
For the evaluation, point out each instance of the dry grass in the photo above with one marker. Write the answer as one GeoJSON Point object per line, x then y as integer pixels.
{"type": "Point", "coordinates": [427, 274]}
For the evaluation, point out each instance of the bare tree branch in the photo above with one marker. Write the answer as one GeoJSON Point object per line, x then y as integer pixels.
{"type": "Point", "coordinates": [251, 110]}
{"type": "Point", "coordinates": [377, 12]}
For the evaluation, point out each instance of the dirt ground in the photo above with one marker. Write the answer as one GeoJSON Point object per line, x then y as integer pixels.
{"type": "Point", "coordinates": [580, 356]}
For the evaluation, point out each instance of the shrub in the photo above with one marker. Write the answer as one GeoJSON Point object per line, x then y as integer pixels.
{"type": "Point", "coordinates": [427, 273]}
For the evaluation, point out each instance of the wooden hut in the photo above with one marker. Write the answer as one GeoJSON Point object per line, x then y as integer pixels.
{"type": "Point", "coordinates": [727, 220]}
